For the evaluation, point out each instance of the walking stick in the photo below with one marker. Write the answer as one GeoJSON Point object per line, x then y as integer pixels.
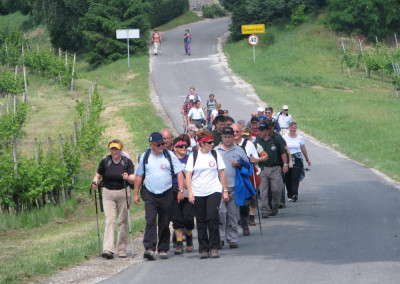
{"type": "Point", "coordinates": [129, 216]}
{"type": "Point", "coordinates": [258, 209]}
{"type": "Point", "coordinates": [97, 217]}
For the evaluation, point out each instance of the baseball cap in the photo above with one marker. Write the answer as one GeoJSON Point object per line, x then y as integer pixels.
{"type": "Point", "coordinates": [254, 120]}
{"type": "Point", "coordinates": [156, 137]}
{"type": "Point", "coordinates": [192, 127]}
{"type": "Point", "coordinates": [246, 131]}
{"type": "Point", "coordinates": [227, 130]}
{"type": "Point", "coordinates": [115, 145]}
{"type": "Point", "coordinates": [263, 127]}
{"type": "Point", "coordinates": [285, 107]}
{"type": "Point", "coordinates": [260, 109]}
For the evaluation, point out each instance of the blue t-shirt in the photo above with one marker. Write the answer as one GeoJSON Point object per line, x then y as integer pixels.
{"type": "Point", "coordinates": [183, 162]}
{"type": "Point", "coordinates": [158, 172]}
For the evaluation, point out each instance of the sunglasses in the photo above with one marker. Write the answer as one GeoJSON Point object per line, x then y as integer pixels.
{"type": "Point", "coordinates": [159, 144]}
{"type": "Point", "coordinates": [210, 142]}
{"type": "Point", "coordinates": [181, 146]}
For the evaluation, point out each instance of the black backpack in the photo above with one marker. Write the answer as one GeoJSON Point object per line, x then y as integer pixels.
{"type": "Point", "coordinates": [196, 153]}
{"type": "Point", "coordinates": [145, 162]}
{"type": "Point", "coordinates": [124, 163]}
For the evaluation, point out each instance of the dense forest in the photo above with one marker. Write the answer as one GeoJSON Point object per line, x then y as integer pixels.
{"type": "Point", "coordinates": [88, 26]}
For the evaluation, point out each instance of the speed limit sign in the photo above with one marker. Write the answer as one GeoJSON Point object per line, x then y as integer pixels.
{"type": "Point", "coordinates": [253, 39]}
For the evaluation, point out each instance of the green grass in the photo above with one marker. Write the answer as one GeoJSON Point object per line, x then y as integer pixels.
{"type": "Point", "coordinates": [301, 68]}
{"type": "Point", "coordinates": [35, 218]}
{"type": "Point", "coordinates": [27, 254]}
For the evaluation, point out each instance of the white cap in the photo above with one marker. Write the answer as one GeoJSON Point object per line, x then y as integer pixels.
{"type": "Point", "coordinates": [191, 97]}
{"type": "Point", "coordinates": [285, 107]}
{"type": "Point", "coordinates": [260, 109]}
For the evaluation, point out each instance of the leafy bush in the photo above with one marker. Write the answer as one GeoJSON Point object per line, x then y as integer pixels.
{"type": "Point", "coordinates": [297, 17]}
{"type": "Point", "coordinates": [163, 11]}
{"type": "Point", "coordinates": [213, 11]}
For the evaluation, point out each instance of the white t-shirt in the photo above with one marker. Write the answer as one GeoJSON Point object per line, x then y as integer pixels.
{"type": "Point", "coordinates": [250, 149]}
{"type": "Point", "coordinates": [205, 179]}
{"type": "Point", "coordinates": [196, 113]}
{"type": "Point", "coordinates": [214, 113]}
{"type": "Point", "coordinates": [294, 144]}
{"type": "Point", "coordinates": [193, 143]}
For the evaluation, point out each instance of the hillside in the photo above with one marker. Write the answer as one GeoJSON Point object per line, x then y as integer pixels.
{"type": "Point", "coordinates": [302, 68]}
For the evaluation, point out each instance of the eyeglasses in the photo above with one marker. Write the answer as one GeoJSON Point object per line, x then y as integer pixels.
{"type": "Point", "coordinates": [159, 144]}
{"type": "Point", "coordinates": [181, 146]}
{"type": "Point", "coordinates": [210, 142]}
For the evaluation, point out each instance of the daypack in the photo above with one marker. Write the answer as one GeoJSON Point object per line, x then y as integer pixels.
{"type": "Point", "coordinates": [124, 163]}
{"type": "Point", "coordinates": [196, 153]}
{"type": "Point", "coordinates": [145, 162]}
{"type": "Point", "coordinates": [255, 180]}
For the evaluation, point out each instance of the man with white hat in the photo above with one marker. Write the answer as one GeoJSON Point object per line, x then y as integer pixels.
{"type": "Point", "coordinates": [260, 114]}
{"type": "Point", "coordinates": [284, 119]}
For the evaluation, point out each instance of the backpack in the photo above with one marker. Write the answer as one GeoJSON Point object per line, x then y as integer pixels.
{"type": "Point", "coordinates": [196, 153]}
{"type": "Point", "coordinates": [146, 160]}
{"type": "Point", "coordinates": [244, 145]}
{"type": "Point", "coordinates": [124, 163]}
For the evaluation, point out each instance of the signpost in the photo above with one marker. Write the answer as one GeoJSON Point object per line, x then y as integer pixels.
{"type": "Point", "coordinates": [253, 39]}
{"type": "Point", "coordinates": [127, 34]}
{"type": "Point", "coordinates": [253, 29]}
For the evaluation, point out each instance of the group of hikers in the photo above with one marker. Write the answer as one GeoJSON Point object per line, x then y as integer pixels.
{"type": "Point", "coordinates": [211, 178]}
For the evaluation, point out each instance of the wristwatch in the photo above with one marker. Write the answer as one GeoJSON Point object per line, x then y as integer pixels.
{"type": "Point", "coordinates": [180, 190]}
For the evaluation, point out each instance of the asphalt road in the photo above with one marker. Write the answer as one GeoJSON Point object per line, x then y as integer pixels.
{"type": "Point", "coordinates": [345, 228]}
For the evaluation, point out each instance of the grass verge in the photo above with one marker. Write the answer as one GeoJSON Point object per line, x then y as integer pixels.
{"type": "Point", "coordinates": [301, 68]}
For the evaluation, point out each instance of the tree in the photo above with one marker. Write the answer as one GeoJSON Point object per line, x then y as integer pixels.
{"type": "Point", "coordinates": [369, 17]}
{"type": "Point", "coordinates": [101, 21]}
{"type": "Point", "coordinates": [62, 19]}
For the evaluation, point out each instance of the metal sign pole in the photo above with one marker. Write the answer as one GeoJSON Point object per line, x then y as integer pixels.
{"type": "Point", "coordinates": [127, 41]}
{"type": "Point", "coordinates": [254, 54]}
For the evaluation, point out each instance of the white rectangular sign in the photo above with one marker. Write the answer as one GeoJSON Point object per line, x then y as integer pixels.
{"type": "Point", "coordinates": [123, 34]}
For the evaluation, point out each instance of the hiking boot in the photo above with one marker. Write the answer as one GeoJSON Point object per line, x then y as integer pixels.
{"type": "Point", "coordinates": [163, 254]}
{"type": "Point", "coordinates": [246, 232]}
{"type": "Point", "coordinates": [214, 253]}
{"type": "Point", "coordinates": [233, 245]}
{"type": "Point", "coordinates": [149, 254]}
{"type": "Point", "coordinates": [107, 254]}
{"type": "Point", "coordinates": [252, 220]}
{"type": "Point", "coordinates": [204, 254]}
{"type": "Point", "coordinates": [122, 254]}
{"type": "Point", "coordinates": [221, 244]}
{"type": "Point", "coordinates": [189, 243]}
{"type": "Point", "coordinates": [273, 212]}
{"type": "Point", "coordinates": [265, 215]}
{"type": "Point", "coordinates": [179, 247]}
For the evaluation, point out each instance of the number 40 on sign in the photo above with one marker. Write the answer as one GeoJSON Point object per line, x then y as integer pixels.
{"type": "Point", "coordinates": [253, 40]}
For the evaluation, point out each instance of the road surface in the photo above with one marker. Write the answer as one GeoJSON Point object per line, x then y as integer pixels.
{"type": "Point", "coordinates": [345, 228]}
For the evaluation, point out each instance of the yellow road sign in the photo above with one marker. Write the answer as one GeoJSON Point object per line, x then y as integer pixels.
{"type": "Point", "coordinates": [253, 29]}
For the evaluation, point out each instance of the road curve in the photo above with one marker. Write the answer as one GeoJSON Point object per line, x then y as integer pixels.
{"type": "Point", "coordinates": [345, 228]}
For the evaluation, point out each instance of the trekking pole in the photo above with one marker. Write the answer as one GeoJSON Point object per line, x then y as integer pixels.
{"type": "Point", "coordinates": [258, 209]}
{"type": "Point", "coordinates": [97, 217]}
{"type": "Point", "coordinates": [129, 215]}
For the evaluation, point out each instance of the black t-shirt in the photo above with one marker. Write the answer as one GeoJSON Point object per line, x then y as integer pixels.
{"type": "Point", "coordinates": [112, 175]}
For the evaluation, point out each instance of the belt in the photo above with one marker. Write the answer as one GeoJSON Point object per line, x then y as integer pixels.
{"type": "Point", "coordinates": [271, 166]}
{"type": "Point", "coordinates": [196, 119]}
{"type": "Point", "coordinates": [161, 194]}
